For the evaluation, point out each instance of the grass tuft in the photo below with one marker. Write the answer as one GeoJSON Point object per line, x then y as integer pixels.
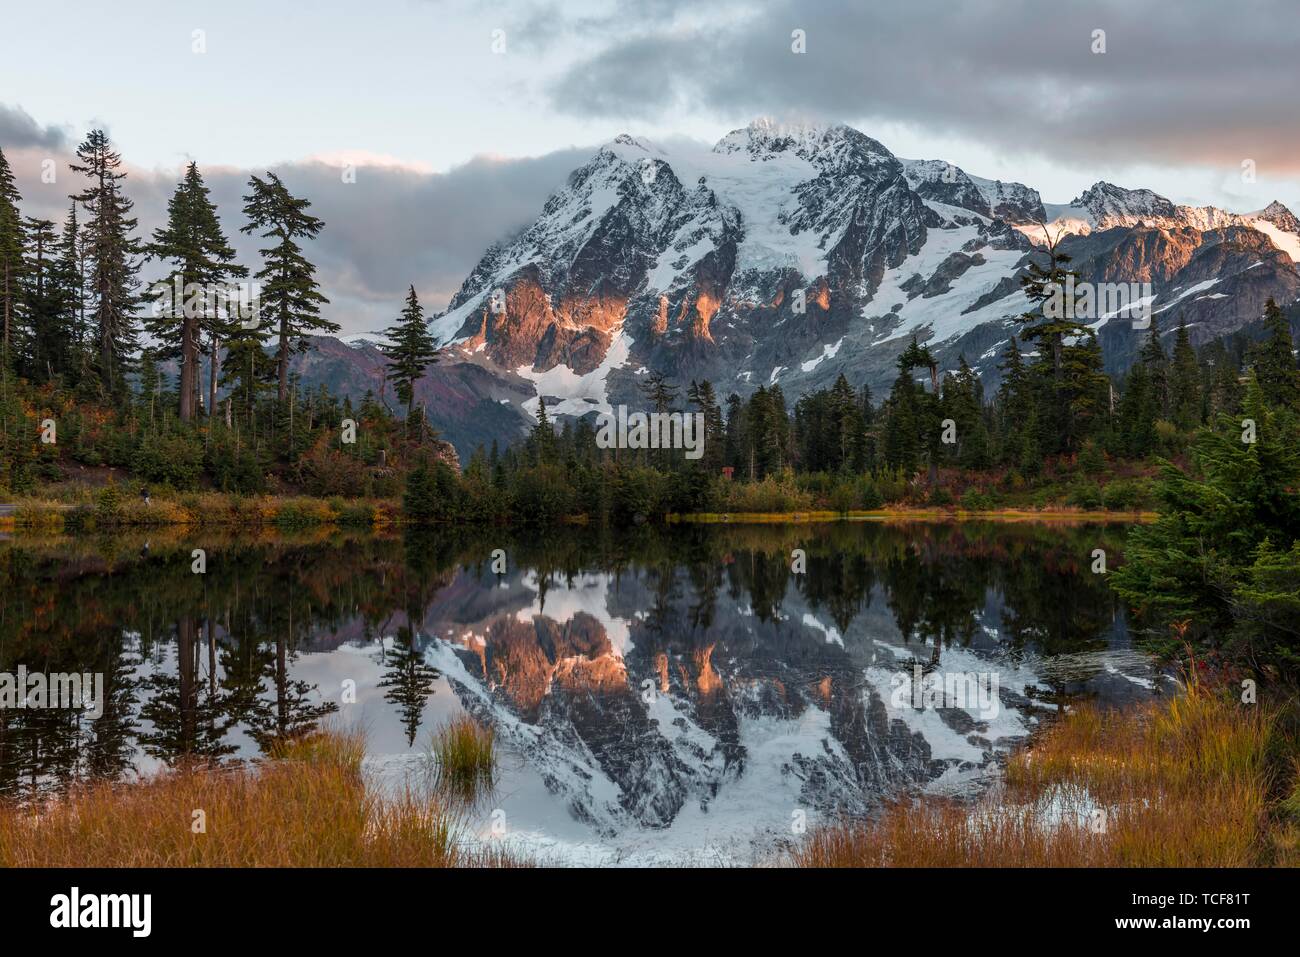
{"type": "Point", "coordinates": [464, 753]}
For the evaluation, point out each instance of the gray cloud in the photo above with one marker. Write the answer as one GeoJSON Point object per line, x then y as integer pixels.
{"type": "Point", "coordinates": [391, 228]}
{"type": "Point", "coordinates": [19, 131]}
{"type": "Point", "coordinates": [1180, 83]}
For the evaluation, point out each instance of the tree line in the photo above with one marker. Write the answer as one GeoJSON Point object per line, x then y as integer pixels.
{"type": "Point", "coordinates": [89, 340]}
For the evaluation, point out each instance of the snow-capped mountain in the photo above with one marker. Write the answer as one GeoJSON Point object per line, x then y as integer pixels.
{"type": "Point", "coordinates": [787, 255]}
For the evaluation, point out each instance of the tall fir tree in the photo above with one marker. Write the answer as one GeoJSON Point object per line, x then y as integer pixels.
{"type": "Point", "coordinates": [701, 395]}
{"type": "Point", "coordinates": [47, 304]}
{"type": "Point", "coordinates": [1184, 382]}
{"type": "Point", "coordinates": [114, 261]}
{"type": "Point", "coordinates": [290, 296]}
{"type": "Point", "coordinates": [1274, 359]}
{"type": "Point", "coordinates": [1053, 323]}
{"type": "Point", "coordinates": [410, 351]}
{"type": "Point", "coordinates": [200, 259]}
{"type": "Point", "coordinates": [1152, 355]}
{"type": "Point", "coordinates": [11, 260]}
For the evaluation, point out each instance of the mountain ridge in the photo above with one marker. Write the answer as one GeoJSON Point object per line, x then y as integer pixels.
{"type": "Point", "coordinates": [788, 255]}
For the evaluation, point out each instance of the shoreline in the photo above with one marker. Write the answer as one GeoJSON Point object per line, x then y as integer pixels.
{"type": "Point", "coordinates": [1061, 514]}
{"type": "Point", "coordinates": [290, 512]}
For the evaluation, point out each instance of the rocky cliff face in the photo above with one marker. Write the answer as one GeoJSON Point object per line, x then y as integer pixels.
{"type": "Point", "coordinates": [790, 255]}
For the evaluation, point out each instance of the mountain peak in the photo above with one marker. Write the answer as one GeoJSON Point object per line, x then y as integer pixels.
{"type": "Point", "coordinates": [824, 145]}
{"type": "Point", "coordinates": [1280, 216]}
{"type": "Point", "coordinates": [1111, 205]}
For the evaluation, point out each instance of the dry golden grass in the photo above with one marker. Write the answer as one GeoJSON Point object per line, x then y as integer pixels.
{"type": "Point", "coordinates": [308, 806]}
{"type": "Point", "coordinates": [1196, 781]}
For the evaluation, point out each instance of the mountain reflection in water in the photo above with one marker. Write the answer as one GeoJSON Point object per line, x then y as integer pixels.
{"type": "Point", "coordinates": [645, 685]}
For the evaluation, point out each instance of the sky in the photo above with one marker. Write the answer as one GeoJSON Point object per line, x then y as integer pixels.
{"type": "Point", "coordinates": [460, 117]}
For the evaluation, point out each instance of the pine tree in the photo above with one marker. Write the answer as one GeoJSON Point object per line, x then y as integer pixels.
{"type": "Point", "coordinates": [1184, 382]}
{"type": "Point", "coordinates": [846, 425]}
{"type": "Point", "coordinates": [1085, 389]}
{"type": "Point", "coordinates": [290, 297]}
{"type": "Point", "coordinates": [11, 259]}
{"type": "Point", "coordinates": [410, 352]}
{"type": "Point", "coordinates": [1016, 404]}
{"type": "Point", "coordinates": [1050, 320]}
{"type": "Point", "coordinates": [46, 304]}
{"type": "Point", "coordinates": [113, 254]}
{"type": "Point", "coordinates": [1274, 360]}
{"type": "Point", "coordinates": [918, 411]}
{"type": "Point", "coordinates": [702, 397]}
{"type": "Point", "coordinates": [543, 436]}
{"type": "Point", "coordinates": [1070, 379]}
{"type": "Point", "coordinates": [1152, 355]}
{"type": "Point", "coordinates": [200, 257]}
{"type": "Point", "coordinates": [963, 402]}
{"type": "Point", "coordinates": [1223, 551]}
{"type": "Point", "coordinates": [72, 278]}
{"type": "Point", "coordinates": [1137, 412]}
{"type": "Point", "coordinates": [248, 372]}
{"type": "Point", "coordinates": [150, 384]}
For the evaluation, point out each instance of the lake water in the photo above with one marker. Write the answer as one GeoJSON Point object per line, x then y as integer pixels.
{"type": "Point", "coordinates": [694, 694]}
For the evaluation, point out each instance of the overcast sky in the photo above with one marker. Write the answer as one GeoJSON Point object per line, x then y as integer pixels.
{"type": "Point", "coordinates": [462, 116]}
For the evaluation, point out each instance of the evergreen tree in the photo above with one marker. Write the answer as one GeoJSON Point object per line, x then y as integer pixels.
{"type": "Point", "coordinates": [1069, 361]}
{"type": "Point", "coordinates": [1051, 319]}
{"type": "Point", "coordinates": [1016, 404]}
{"type": "Point", "coordinates": [1274, 359]}
{"type": "Point", "coordinates": [113, 254]}
{"type": "Point", "coordinates": [72, 280]}
{"type": "Point", "coordinates": [11, 259]}
{"type": "Point", "coordinates": [543, 436]}
{"type": "Point", "coordinates": [1152, 355]}
{"type": "Point", "coordinates": [47, 304]}
{"type": "Point", "coordinates": [1222, 556]}
{"type": "Point", "coordinates": [1184, 383]}
{"type": "Point", "coordinates": [200, 256]}
{"type": "Point", "coordinates": [702, 397]}
{"type": "Point", "coordinates": [410, 352]}
{"type": "Point", "coordinates": [290, 296]}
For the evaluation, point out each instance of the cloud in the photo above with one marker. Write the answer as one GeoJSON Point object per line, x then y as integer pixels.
{"type": "Point", "coordinates": [1179, 83]}
{"type": "Point", "coordinates": [19, 131]}
{"type": "Point", "coordinates": [393, 224]}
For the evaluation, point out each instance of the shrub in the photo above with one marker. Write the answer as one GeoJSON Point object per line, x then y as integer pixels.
{"type": "Point", "coordinates": [940, 496]}
{"type": "Point", "coordinates": [173, 460]}
{"type": "Point", "coordinates": [843, 496]}
{"type": "Point", "coordinates": [1123, 495]}
{"type": "Point", "coordinates": [1085, 495]}
{"type": "Point", "coordinates": [108, 505]}
{"type": "Point", "coordinates": [868, 495]}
